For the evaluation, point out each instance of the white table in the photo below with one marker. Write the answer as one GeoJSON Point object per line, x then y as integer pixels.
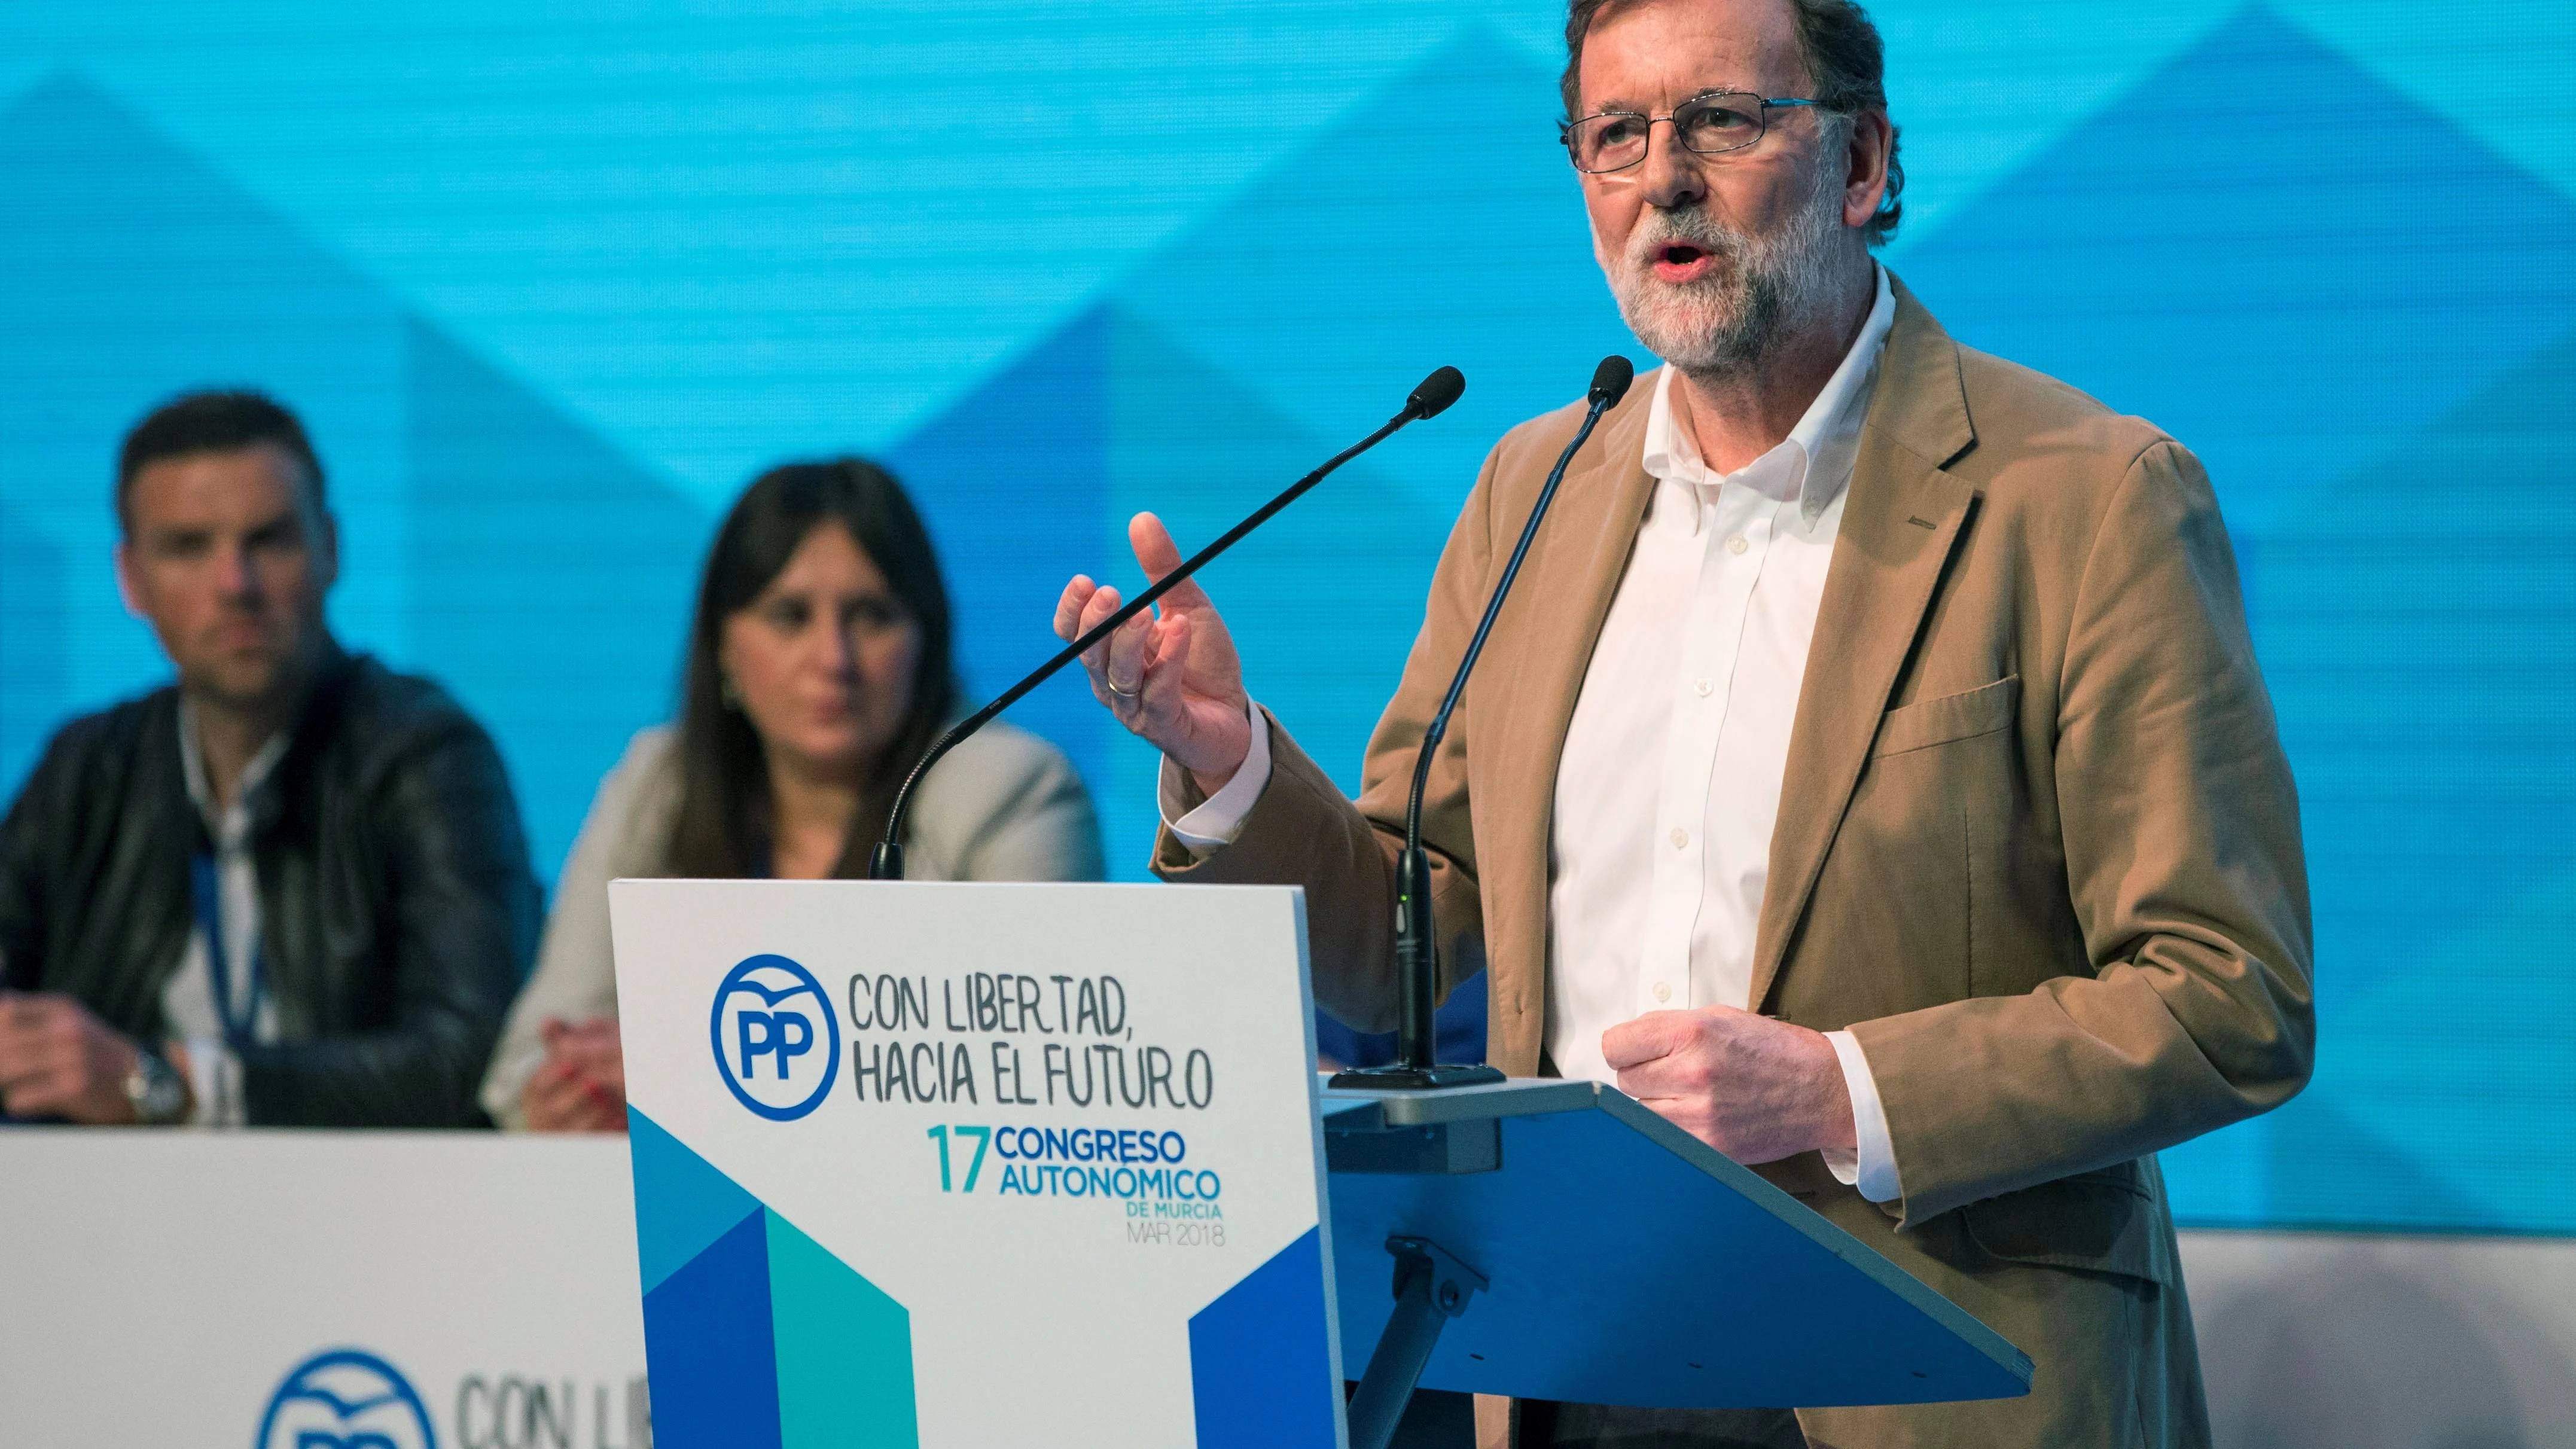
{"type": "Point", "coordinates": [161, 1288]}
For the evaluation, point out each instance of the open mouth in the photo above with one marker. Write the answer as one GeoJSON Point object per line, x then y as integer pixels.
{"type": "Point", "coordinates": [1683, 261]}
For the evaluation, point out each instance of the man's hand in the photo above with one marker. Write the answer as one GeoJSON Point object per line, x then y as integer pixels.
{"type": "Point", "coordinates": [57, 1060]}
{"type": "Point", "coordinates": [582, 1085]}
{"type": "Point", "coordinates": [1754, 1088]}
{"type": "Point", "coordinates": [1170, 675]}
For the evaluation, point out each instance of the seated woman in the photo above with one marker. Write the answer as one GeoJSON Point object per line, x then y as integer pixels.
{"type": "Point", "coordinates": [817, 674]}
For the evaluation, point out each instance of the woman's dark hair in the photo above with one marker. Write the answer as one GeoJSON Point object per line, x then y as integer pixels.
{"type": "Point", "coordinates": [723, 827]}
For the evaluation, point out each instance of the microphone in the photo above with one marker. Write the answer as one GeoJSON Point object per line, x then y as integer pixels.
{"type": "Point", "coordinates": [1417, 1062]}
{"type": "Point", "coordinates": [1429, 400]}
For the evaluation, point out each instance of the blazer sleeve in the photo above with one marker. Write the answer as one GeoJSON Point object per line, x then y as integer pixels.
{"type": "Point", "coordinates": [2180, 826]}
{"type": "Point", "coordinates": [1304, 831]}
{"type": "Point", "coordinates": [462, 922]}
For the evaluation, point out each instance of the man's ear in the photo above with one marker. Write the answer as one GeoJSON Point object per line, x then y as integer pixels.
{"type": "Point", "coordinates": [126, 588]}
{"type": "Point", "coordinates": [1866, 152]}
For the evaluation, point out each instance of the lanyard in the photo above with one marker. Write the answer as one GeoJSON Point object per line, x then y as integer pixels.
{"type": "Point", "coordinates": [239, 1028]}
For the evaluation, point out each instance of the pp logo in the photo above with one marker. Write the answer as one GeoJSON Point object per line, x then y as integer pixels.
{"type": "Point", "coordinates": [345, 1399]}
{"type": "Point", "coordinates": [777, 1040]}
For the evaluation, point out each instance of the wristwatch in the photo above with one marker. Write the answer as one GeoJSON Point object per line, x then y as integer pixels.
{"type": "Point", "coordinates": [159, 1094]}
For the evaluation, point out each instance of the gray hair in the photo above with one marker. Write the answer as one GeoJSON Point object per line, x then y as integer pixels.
{"type": "Point", "coordinates": [1846, 63]}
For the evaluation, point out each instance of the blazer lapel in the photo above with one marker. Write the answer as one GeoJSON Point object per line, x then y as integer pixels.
{"type": "Point", "coordinates": [1562, 598]}
{"type": "Point", "coordinates": [1900, 521]}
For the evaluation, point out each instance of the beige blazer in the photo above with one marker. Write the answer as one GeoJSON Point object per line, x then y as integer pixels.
{"type": "Point", "coordinates": [1004, 805]}
{"type": "Point", "coordinates": [2038, 848]}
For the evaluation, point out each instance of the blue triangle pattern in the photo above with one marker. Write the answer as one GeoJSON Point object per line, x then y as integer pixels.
{"type": "Point", "coordinates": [710, 1347]}
{"type": "Point", "coordinates": [2217, 251]}
{"type": "Point", "coordinates": [1110, 415]}
{"type": "Point", "coordinates": [1261, 1370]}
{"type": "Point", "coordinates": [1012, 480]}
{"type": "Point", "coordinates": [1391, 244]}
{"type": "Point", "coordinates": [2326, 350]}
{"type": "Point", "coordinates": [2422, 679]}
{"type": "Point", "coordinates": [2421, 684]}
{"type": "Point", "coordinates": [34, 674]}
{"type": "Point", "coordinates": [500, 484]}
{"type": "Point", "coordinates": [131, 271]}
{"type": "Point", "coordinates": [682, 1202]}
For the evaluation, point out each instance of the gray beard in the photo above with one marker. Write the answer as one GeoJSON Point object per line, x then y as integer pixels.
{"type": "Point", "coordinates": [1762, 291]}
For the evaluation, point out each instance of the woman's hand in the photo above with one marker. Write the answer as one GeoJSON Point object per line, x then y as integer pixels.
{"type": "Point", "coordinates": [582, 1085]}
{"type": "Point", "coordinates": [1170, 675]}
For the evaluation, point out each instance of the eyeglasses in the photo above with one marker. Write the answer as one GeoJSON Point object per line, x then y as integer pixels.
{"type": "Point", "coordinates": [1710, 124]}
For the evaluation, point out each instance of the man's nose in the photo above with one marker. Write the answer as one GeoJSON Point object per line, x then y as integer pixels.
{"type": "Point", "coordinates": [1671, 171]}
{"type": "Point", "coordinates": [236, 574]}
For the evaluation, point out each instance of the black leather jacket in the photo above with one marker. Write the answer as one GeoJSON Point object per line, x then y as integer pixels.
{"type": "Point", "coordinates": [398, 910]}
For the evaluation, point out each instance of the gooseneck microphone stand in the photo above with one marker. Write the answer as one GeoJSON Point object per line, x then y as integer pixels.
{"type": "Point", "coordinates": [1435, 394]}
{"type": "Point", "coordinates": [1417, 1063]}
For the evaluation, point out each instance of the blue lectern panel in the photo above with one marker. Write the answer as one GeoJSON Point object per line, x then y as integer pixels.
{"type": "Point", "coordinates": [1632, 1265]}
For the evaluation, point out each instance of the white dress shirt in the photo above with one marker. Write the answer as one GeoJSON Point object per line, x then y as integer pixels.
{"type": "Point", "coordinates": [188, 1001]}
{"type": "Point", "coordinates": [1669, 784]}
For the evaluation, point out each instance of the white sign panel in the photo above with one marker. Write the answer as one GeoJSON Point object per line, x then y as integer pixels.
{"type": "Point", "coordinates": [974, 1165]}
{"type": "Point", "coordinates": [317, 1290]}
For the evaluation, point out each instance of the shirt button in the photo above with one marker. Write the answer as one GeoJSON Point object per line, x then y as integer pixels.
{"type": "Point", "coordinates": [1663, 991]}
{"type": "Point", "coordinates": [1737, 544]}
{"type": "Point", "coordinates": [1701, 687]}
{"type": "Point", "coordinates": [1680, 837]}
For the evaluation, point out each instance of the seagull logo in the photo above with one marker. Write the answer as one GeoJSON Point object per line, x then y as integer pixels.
{"type": "Point", "coordinates": [346, 1399]}
{"type": "Point", "coordinates": [777, 1040]}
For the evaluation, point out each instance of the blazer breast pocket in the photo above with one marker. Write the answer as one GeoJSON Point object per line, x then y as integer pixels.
{"type": "Point", "coordinates": [1938, 721]}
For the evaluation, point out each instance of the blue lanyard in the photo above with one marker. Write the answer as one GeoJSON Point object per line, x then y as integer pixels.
{"type": "Point", "coordinates": [239, 1029]}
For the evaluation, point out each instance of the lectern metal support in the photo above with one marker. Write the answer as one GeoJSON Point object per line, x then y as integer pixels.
{"type": "Point", "coordinates": [1431, 1287]}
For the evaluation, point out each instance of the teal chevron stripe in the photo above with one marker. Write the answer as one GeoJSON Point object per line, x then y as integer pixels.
{"type": "Point", "coordinates": [844, 1350]}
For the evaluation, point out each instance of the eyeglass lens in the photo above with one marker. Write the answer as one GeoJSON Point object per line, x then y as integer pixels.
{"type": "Point", "coordinates": [1728, 121]}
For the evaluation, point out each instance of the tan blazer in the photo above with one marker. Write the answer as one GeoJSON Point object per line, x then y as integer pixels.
{"type": "Point", "coordinates": [2038, 848]}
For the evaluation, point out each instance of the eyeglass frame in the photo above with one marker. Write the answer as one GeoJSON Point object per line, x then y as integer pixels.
{"type": "Point", "coordinates": [1565, 129]}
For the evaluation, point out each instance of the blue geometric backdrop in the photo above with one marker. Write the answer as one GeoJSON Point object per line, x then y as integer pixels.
{"type": "Point", "coordinates": [549, 283]}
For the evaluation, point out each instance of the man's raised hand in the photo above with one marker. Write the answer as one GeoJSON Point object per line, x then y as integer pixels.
{"type": "Point", "coordinates": [1170, 675]}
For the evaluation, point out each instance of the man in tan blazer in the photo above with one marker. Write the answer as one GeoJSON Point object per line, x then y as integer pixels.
{"type": "Point", "coordinates": [1870, 771]}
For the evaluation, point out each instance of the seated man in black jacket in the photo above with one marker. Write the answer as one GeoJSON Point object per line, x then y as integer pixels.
{"type": "Point", "coordinates": [290, 889]}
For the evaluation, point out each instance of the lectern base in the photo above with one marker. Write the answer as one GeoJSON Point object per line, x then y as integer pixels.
{"type": "Point", "coordinates": [1412, 1079]}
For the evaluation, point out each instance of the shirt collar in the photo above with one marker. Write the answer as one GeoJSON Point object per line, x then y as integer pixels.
{"type": "Point", "coordinates": [1818, 451]}
{"type": "Point", "coordinates": [192, 760]}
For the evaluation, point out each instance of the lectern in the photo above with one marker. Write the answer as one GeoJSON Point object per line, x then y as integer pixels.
{"type": "Point", "coordinates": [1557, 1240]}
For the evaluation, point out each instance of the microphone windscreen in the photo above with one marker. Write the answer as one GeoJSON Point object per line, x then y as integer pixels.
{"type": "Point", "coordinates": [1610, 380]}
{"type": "Point", "coordinates": [1437, 392]}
